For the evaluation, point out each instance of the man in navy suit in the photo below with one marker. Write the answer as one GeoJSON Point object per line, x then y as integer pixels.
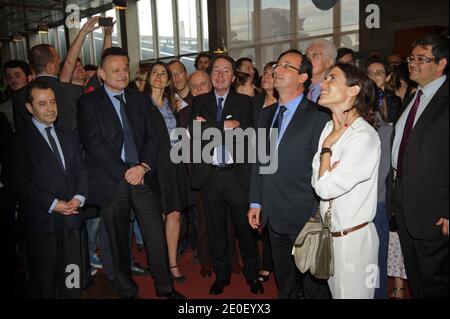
{"type": "Point", "coordinates": [121, 140]}
{"type": "Point", "coordinates": [51, 183]}
{"type": "Point", "coordinates": [285, 199]}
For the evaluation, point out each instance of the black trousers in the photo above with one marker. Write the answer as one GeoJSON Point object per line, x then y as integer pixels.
{"type": "Point", "coordinates": [426, 261]}
{"type": "Point", "coordinates": [55, 264]}
{"type": "Point", "coordinates": [116, 219]}
{"type": "Point", "coordinates": [286, 273]}
{"type": "Point", "coordinates": [223, 194]}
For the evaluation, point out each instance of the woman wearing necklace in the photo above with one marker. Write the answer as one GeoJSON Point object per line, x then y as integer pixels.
{"type": "Point", "coordinates": [345, 173]}
{"type": "Point", "coordinates": [176, 195]}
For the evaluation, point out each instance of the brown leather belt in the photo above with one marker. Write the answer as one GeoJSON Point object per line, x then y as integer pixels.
{"type": "Point", "coordinates": [348, 230]}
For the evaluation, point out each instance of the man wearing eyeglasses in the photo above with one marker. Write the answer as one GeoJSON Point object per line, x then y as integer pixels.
{"type": "Point", "coordinates": [420, 158]}
{"type": "Point", "coordinates": [285, 200]}
{"type": "Point", "coordinates": [322, 54]}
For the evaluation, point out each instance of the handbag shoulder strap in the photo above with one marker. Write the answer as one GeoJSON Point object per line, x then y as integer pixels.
{"type": "Point", "coordinates": [327, 219]}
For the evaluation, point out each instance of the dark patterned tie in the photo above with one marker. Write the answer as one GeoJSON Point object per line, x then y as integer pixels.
{"type": "Point", "coordinates": [131, 156]}
{"type": "Point", "coordinates": [407, 132]}
{"type": "Point", "coordinates": [54, 148]}
{"type": "Point", "coordinates": [279, 120]}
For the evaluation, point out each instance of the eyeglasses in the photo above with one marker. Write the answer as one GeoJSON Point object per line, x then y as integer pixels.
{"type": "Point", "coordinates": [285, 66]}
{"type": "Point", "coordinates": [315, 55]}
{"type": "Point", "coordinates": [420, 59]}
{"type": "Point", "coordinates": [377, 73]}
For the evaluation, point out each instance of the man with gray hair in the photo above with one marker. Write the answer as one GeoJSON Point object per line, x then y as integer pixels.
{"type": "Point", "coordinates": [322, 54]}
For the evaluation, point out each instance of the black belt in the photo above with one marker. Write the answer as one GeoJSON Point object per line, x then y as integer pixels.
{"type": "Point", "coordinates": [225, 167]}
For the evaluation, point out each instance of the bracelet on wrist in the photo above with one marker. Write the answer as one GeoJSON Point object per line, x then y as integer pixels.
{"type": "Point", "coordinates": [326, 150]}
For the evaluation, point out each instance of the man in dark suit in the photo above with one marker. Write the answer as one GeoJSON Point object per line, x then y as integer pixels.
{"type": "Point", "coordinates": [51, 183]}
{"type": "Point", "coordinates": [286, 198]}
{"type": "Point", "coordinates": [222, 180]}
{"type": "Point", "coordinates": [121, 142]}
{"type": "Point", "coordinates": [420, 158]}
{"type": "Point", "coordinates": [45, 62]}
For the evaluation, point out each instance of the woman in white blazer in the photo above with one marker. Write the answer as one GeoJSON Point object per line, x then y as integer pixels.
{"type": "Point", "coordinates": [345, 173]}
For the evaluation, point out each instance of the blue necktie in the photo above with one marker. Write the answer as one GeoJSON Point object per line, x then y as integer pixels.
{"type": "Point", "coordinates": [131, 156]}
{"type": "Point", "coordinates": [279, 119]}
{"type": "Point", "coordinates": [54, 147]}
{"type": "Point", "coordinates": [277, 124]}
{"type": "Point", "coordinates": [219, 109]}
{"type": "Point", "coordinates": [220, 148]}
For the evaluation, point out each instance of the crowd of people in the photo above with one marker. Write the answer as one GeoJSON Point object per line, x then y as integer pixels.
{"type": "Point", "coordinates": [88, 168]}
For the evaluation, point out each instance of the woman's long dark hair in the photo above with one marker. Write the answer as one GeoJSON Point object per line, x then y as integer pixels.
{"type": "Point", "coordinates": [168, 94]}
{"type": "Point", "coordinates": [366, 99]}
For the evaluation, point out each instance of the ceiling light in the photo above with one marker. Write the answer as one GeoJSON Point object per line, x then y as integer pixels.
{"type": "Point", "coordinates": [120, 4]}
{"type": "Point", "coordinates": [42, 28]}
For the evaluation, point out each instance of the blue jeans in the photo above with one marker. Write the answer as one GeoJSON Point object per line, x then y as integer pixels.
{"type": "Point", "coordinates": [381, 223]}
{"type": "Point", "coordinates": [92, 233]}
{"type": "Point", "coordinates": [137, 232]}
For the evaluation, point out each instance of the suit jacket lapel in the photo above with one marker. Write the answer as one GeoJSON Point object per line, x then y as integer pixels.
{"type": "Point", "coordinates": [44, 148]}
{"type": "Point", "coordinates": [433, 105]}
{"type": "Point", "coordinates": [108, 113]}
{"type": "Point", "coordinates": [228, 104]}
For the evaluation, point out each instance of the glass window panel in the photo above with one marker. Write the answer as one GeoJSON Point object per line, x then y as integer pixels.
{"type": "Point", "coordinates": [116, 34]}
{"type": "Point", "coordinates": [241, 20]}
{"type": "Point", "coordinates": [205, 25]}
{"type": "Point", "coordinates": [165, 28]}
{"type": "Point", "coordinates": [275, 20]}
{"type": "Point", "coordinates": [86, 49]}
{"type": "Point", "coordinates": [98, 45]}
{"type": "Point", "coordinates": [62, 42]}
{"type": "Point", "coordinates": [187, 26]}
{"type": "Point", "coordinates": [350, 41]}
{"type": "Point", "coordinates": [52, 33]}
{"type": "Point", "coordinates": [188, 62]}
{"type": "Point", "coordinates": [313, 21]}
{"type": "Point", "coordinates": [349, 15]}
{"type": "Point", "coordinates": [237, 53]}
{"type": "Point", "coordinates": [145, 30]}
{"type": "Point", "coordinates": [272, 52]}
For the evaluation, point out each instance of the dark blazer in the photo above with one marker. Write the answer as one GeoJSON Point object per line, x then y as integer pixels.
{"type": "Point", "coordinates": [101, 134]}
{"type": "Point", "coordinates": [257, 105]}
{"type": "Point", "coordinates": [66, 98]}
{"type": "Point", "coordinates": [38, 179]}
{"type": "Point", "coordinates": [237, 107]}
{"type": "Point", "coordinates": [394, 106]}
{"type": "Point", "coordinates": [286, 196]}
{"type": "Point", "coordinates": [425, 169]}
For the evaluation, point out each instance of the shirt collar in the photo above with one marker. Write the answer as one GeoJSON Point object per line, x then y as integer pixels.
{"type": "Point", "coordinates": [431, 88]}
{"type": "Point", "coordinates": [39, 125]}
{"type": "Point", "coordinates": [45, 74]}
{"type": "Point", "coordinates": [111, 93]}
{"type": "Point", "coordinates": [291, 106]}
{"type": "Point", "coordinates": [222, 96]}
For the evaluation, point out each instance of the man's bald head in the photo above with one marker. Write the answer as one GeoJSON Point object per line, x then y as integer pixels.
{"type": "Point", "coordinates": [199, 83]}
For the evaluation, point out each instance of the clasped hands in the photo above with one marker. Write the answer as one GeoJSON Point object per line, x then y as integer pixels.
{"type": "Point", "coordinates": [135, 175]}
{"type": "Point", "coordinates": [227, 124]}
{"type": "Point", "coordinates": [67, 208]}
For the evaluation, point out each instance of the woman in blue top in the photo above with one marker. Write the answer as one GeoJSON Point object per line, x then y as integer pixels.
{"type": "Point", "coordinates": [175, 190]}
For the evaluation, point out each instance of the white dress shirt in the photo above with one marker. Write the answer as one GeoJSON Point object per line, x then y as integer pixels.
{"type": "Point", "coordinates": [428, 93]}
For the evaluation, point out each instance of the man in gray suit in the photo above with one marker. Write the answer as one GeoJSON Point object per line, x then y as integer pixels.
{"type": "Point", "coordinates": [286, 198]}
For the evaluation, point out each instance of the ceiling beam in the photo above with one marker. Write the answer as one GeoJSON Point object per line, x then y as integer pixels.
{"type": "Point", "coordinates": [29, 6]}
